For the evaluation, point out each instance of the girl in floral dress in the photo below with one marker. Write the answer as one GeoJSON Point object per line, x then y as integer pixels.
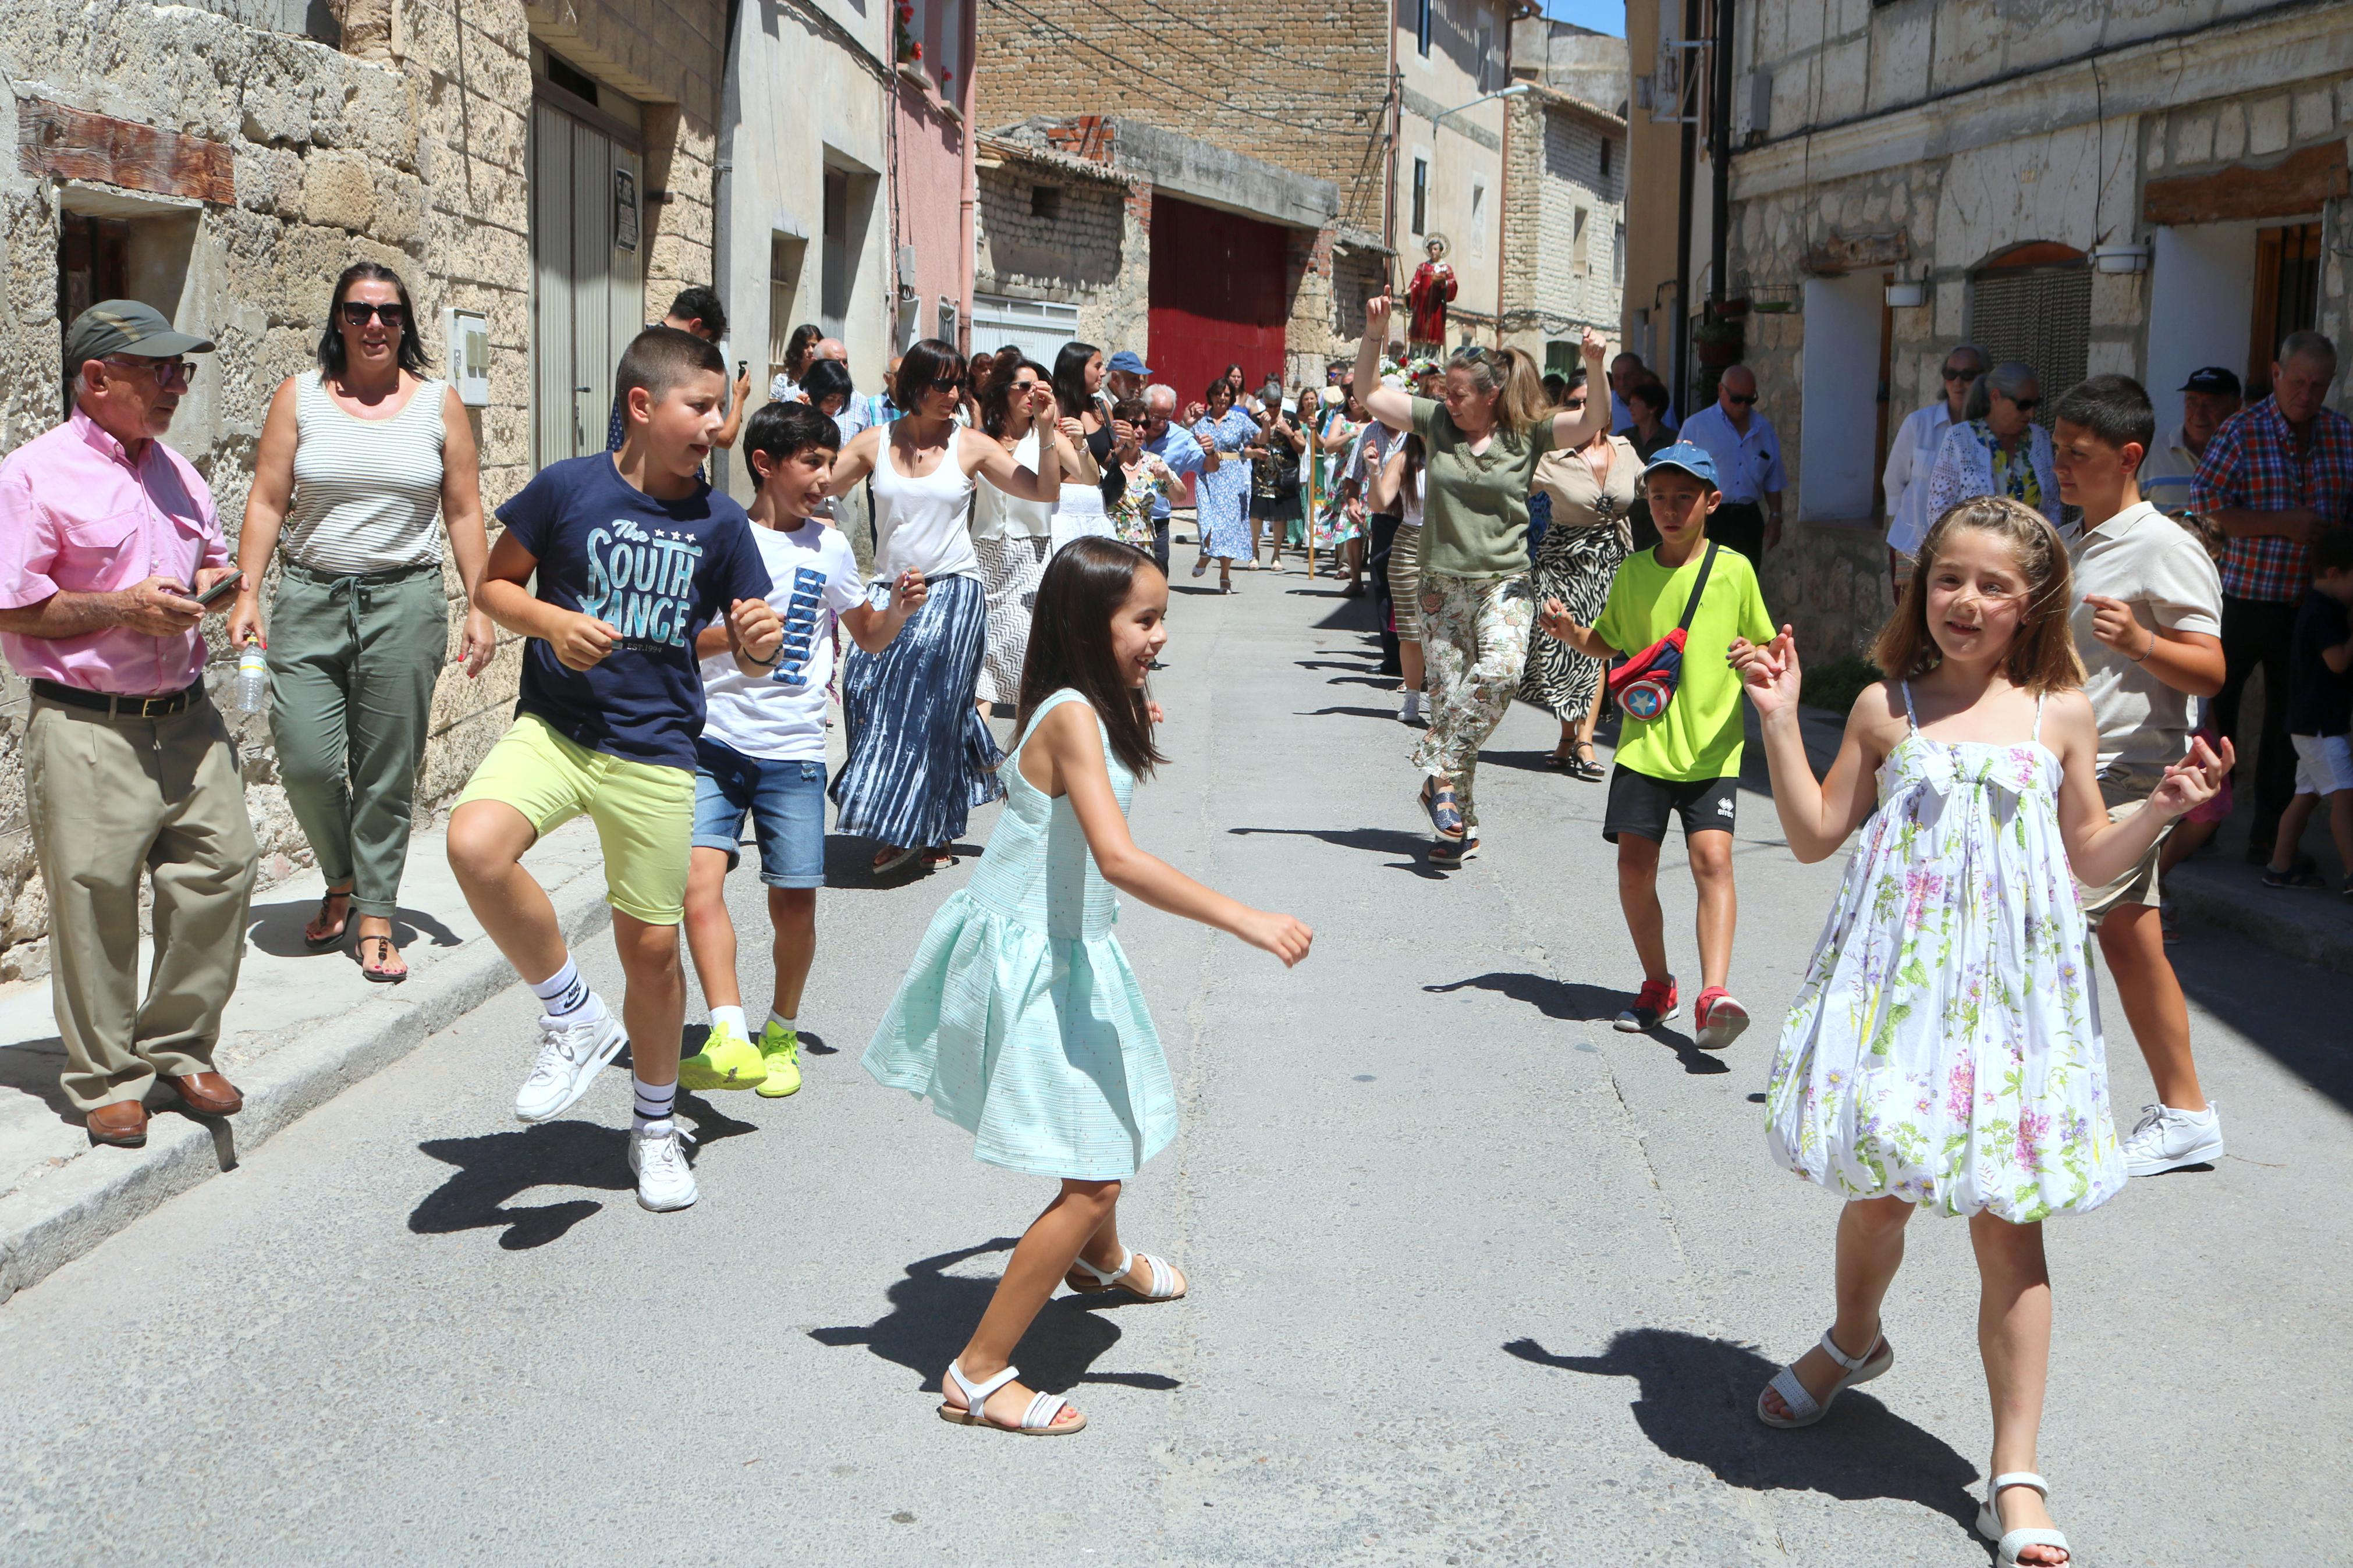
{"type": "Point", "coordinates": [1943, 1052]}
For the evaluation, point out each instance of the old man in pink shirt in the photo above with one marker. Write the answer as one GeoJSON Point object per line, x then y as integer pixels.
{"type": "Point", "coordinates": [107, 538]}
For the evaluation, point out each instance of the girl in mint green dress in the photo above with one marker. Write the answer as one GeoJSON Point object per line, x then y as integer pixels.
{"type": "Point", "coordinates": [1944, 1051]}
{"type": "Point", "coordinates": [1019, 1018]}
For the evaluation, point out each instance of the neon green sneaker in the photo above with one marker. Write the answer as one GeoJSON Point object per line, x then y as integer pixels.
{"type": "Point", "coordinates": [781, 1049]}
{"type": "Point", "coordinates": [725, 1061]}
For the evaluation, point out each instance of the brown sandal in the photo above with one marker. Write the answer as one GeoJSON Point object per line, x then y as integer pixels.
{"type": "Point", "coordinates": [381, 976]}
{"type": "Point", "coordinates": [322, 944]}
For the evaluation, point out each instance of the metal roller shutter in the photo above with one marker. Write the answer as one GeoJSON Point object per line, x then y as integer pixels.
{"type": "Point", "coordinates": [2042, 316]}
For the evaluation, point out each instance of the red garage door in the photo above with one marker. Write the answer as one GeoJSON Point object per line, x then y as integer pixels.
{"type": "Point", "coordinates": [1216, 296]}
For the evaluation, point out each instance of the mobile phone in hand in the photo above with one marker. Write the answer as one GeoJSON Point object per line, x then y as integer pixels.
{"type": "Point", "coordinates": [223, 589]}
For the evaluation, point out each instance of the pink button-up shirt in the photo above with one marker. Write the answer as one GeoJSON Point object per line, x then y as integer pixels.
{"type": "Point", "coordinates": [77, 515]}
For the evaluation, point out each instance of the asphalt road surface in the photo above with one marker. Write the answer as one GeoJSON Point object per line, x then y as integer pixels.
{"type": "Point", "coordinates": [1474, 1278]}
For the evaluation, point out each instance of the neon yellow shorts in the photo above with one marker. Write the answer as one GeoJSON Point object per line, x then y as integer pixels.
{"type": "Point", "coordinates": [644, 814]}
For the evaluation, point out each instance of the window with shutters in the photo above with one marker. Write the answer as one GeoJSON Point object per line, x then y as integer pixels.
{"type": "Point", "coordinates": [2287, 296]}
{"type": "Point", "coordinates": [1421, 193]}
{"type": "Point", "coordinates": [2033, 304]}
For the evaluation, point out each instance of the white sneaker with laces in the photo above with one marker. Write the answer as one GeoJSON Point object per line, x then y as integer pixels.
{"type": "Point", "coordinates": [665, 1181]}
{"type": "Point", "coordinates": [568, 1060]}
{"type": "Point", "coordinates": [1409, 710]}
{"type": "Point", "coordinates": [2165, 1139]}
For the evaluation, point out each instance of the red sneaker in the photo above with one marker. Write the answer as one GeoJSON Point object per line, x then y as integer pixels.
{"type": "Point", "coordinates": [1653, 1005]}
{"type": "Point", "coordinates": [1721, 1018]}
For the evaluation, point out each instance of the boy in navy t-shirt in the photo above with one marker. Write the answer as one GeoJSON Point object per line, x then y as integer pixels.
{"type": "Point", "coordinates": [634, 556]}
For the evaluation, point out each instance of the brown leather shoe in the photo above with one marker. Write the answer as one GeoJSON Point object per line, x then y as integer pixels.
{"type": "Point", "coordinates": [209, 1092]}
{"type": "Point", "coordinates": [122, 1124]}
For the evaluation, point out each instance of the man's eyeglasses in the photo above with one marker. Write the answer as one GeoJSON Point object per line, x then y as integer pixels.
{"type": "Point", "coordinates": [1743, 399]}
{"type": "Point", "coordinates": [168, 372]}
{"type": "Point", "coordinates": [359, 312]}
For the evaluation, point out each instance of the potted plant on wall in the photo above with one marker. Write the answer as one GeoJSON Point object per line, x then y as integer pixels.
{"type": "Point", "coordinates": [1720, 343]}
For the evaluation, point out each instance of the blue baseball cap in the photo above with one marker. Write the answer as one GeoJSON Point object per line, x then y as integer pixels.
{"type": "Point", "coordinates": [1127, 361]}
{"type": "Point", "coordinates": [1691, 458]}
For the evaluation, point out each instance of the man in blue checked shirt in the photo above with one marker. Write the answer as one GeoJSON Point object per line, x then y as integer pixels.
{"type": "Point", "coordinates": [1177, 446]}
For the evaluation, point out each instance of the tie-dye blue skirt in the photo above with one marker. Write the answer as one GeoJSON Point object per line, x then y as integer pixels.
{"type": "Point", "coordinates": [920, 755]}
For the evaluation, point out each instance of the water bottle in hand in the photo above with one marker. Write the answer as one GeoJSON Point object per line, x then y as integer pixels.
{"type": "Point", "coordinates": [253, 679]}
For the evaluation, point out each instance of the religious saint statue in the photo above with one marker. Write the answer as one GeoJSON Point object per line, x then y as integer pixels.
{"type": "Point", "coordinates": [1426, 298]}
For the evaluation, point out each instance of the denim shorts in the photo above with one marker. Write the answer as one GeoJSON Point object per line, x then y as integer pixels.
{"type": "Point", "coordinates": [786, 802]}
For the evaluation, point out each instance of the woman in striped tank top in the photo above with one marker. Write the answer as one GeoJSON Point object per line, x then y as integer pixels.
{"type": "Point", "coordinates": [358, 460]}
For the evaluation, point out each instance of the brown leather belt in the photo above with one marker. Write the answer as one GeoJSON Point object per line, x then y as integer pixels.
{"type": "Point", "coordinates": [113, 707]}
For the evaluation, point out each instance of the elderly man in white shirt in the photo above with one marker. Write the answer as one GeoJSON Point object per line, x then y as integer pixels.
{"type": "Point", "coordinates": [1747, 466]}
{"type": "Point", "coordinates": [2210, 396]}
{"type": "Point", "coordinates": [1912, 453]}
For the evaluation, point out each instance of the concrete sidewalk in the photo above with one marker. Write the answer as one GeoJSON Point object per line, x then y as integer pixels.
{"type": "Point", "coordinates": [301, 1029]}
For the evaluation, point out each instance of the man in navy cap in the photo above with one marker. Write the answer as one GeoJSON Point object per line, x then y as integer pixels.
{"type": "Point", "coordinates": [108, 541]}
{"type": "Point", "coordinates": [2208, 397]}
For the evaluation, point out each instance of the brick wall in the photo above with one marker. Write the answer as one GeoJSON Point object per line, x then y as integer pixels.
{"type": "Point", "coordinates": [1553, 171]}
{"type": "Point", "coordinates": [409, 151]}
{"type": "Point", "coordinates": [1093, 252]}
{"type": "Point", "coordinates": [1197, 70]}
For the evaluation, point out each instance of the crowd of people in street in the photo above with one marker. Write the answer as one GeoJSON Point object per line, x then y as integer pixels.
{"type": "Point", "coordinates": [2078, 603]}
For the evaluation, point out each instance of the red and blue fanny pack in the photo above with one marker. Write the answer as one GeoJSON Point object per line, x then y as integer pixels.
{"type": "Point", "coordinates": [1645, 684]}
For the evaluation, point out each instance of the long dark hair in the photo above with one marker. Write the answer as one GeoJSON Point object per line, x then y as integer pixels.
{"type": "Point", "coordinates": [411, 352]}
{"type": "Point", "coordinates": [1070, 645]}
{"type": "Point", "coordinates": [1070, 378]}
{"type": "Point", "coordinates": [797, 347]}
{"type": "Point", "coordinates": [927, 360]}
{"type": "Point", "coordinates": [996, 399]}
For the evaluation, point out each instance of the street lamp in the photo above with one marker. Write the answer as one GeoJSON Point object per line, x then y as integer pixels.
{"type": "Point", "coordinates": [1519, 89]}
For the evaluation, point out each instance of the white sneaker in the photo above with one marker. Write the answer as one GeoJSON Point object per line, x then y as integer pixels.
{"type": "Point", "coordinates": [2165, 1139]}
{"type": "Point", "coordinates": [568, 1060]}
{"type": "Point", "coordinates": [665, 1181]}
{"type": "Point", "coordinates": [1409, 710]}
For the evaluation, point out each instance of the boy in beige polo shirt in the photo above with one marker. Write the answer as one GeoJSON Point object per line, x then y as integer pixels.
{"type": "Point", "coordinates": [2147, 621]}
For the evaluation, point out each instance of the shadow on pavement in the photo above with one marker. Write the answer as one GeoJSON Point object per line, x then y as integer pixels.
{"type": "Point", "coordinates": [1414, 847]}
{"type": "Point", "coordinates": [497, 1168]}
{"type": "Point", "coordinates": [933, 1313]}
{"type": "Point", "coordinates": [1696, 1403]}
{"type": "Point", "coordinates": [277, 930]}
{"type": "Point", "coordinates": [1574, 1002]}
{"type": "Point", "coordinates": [1388, 714]}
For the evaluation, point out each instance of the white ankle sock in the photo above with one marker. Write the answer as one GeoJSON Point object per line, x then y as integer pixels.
{"type": "Point", "coordinates": [729, 1017]}
{"type": "Point", "coordinates": [655, 1102]}
{"type": "Point", "coordinates": [790, 1026]}
{"type": "Point", "coordinates": [563, 992]}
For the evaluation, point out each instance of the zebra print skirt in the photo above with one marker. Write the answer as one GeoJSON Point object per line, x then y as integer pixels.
{"type": "Point", "coordinates": [920, 756]}
{"type": "Point", "coordinates": [1574, 566]}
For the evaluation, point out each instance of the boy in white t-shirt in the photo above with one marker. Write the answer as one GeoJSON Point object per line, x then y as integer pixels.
{"type": "Point", "coordinates": [2147, 620]}
{"type": "Point", "coordinates": [762, 750]}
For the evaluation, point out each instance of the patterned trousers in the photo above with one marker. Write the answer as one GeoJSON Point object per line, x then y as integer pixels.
{"type": "Point", "coordinates": [1474, 644]}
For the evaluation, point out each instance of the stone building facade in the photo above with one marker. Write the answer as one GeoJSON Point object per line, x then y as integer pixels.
{"type": "Point", "coordinates": [225, 162]}
{"type": "Point", "coordinates": [1264, 159]}
{"type": "Point", "coordinates": [1063, 251]}
{"type": "Point", "coordinates": [1564, 224]}
{"type": "Point", "coordinates": [2118, 188]}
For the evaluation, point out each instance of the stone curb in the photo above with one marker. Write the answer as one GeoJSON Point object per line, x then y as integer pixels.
{"type": "Point", "coordinates": [54, 1220]}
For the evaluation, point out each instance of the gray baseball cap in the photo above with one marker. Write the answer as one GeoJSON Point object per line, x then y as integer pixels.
{"type": "Point", "coordinates": [127, 327]}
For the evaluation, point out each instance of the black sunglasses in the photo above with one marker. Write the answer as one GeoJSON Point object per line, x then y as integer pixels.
{"type": "Point", "coordinates": [2024, 404]}
{"type": "Point", "coordinates": [1963, 375]}
{"type": "Point", "coordinates": [1737, 397]}
{"type": "Point", "coordinates": [357, 313]}
{"type": "Point", "coordinates": [951, 382]}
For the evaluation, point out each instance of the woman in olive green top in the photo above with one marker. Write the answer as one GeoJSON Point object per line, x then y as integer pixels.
{"type": "Point", "coordinates": [1484, 438]}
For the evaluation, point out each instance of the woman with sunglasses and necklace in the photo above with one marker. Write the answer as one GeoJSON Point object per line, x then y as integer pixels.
{"type": "Point", "coordinates": [921, 757]}
{"type": "Point", "coordinates": [358, 460]}
{"type": "Point", "coordinates": [1912, 456]}
{"type": "Point", "coordinates": [1997, 449]}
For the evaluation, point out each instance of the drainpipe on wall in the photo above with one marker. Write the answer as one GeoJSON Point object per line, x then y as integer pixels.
{"type": "Point", "coordinates": [722, 216]}
{"type": "Point", "coordinates": [1686, 107]}
{"type": "Point", "coordinates": [1720, 155]}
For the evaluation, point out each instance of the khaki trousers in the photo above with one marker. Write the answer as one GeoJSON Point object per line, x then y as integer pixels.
{"type": "Point", "coordinates": [109, 798]}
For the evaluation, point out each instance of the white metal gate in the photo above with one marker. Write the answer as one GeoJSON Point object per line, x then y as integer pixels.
{"type": "Point", "coordinates": [1039, 328]}
{"type": "Point", "coordinates": [587, 296]}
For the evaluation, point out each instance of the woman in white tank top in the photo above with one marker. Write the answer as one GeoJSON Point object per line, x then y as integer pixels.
{"type": "Point", "coordinates": [920, 755]}
{"type": "Point", "coordinates": [363, 464]}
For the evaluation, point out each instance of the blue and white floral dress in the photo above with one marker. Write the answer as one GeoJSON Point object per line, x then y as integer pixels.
{"type": "Point", "coordinates": [1946, 1045]}
{"type": "Point", "coordinates": [1222, 499]}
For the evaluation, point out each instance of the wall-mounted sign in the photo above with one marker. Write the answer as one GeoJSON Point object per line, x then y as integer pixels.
{"type": "Point", "coordinates": [625, 210]}
{"type": "Point", "coordinates": [467, 333]}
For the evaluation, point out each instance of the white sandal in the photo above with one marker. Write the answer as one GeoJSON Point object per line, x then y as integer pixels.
{"type": "Point", "coordinates": [1804, 1409]}
{"type": "Point", "coordinates": [1163, 1279]}
{"type": "Point", "coordinates": [2008, 1544]}
{"type": "Point", "coordinates": [1037, 1417]}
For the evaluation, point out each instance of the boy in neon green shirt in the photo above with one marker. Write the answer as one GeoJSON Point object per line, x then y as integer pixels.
{"type": "Point", "coordinates": [1686, 761]}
